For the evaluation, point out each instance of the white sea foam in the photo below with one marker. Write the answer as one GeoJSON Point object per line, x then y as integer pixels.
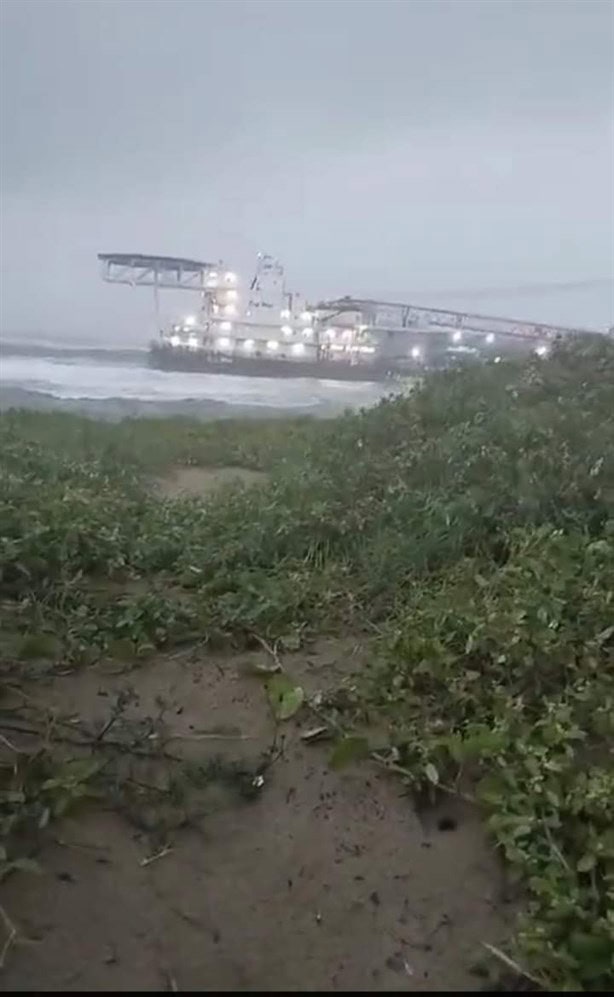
{"type": "Point", "coordinates": [85, 378]}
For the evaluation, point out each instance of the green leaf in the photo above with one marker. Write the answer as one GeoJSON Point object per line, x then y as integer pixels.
{"type": "Point", "coordinates": [40, 646]}
{"type": "Point", "coordinates": [431, 773]}
{"type": "Point", "coordinates": [72, 773]}
{"type": "Point", "coordinates": [12, 796]}
{"type": "Point", "coordinates": [122, 648]}
{"type": "Point", "coordinates": [82, 769]}
{"type": "Point", "coordinates": [291, 703]}
{"type": "Point", "coordinates": [586, 863]}
{"type": "Point", "coordinates": [277, 687]}
{"type": "Point", "coordinates": [483, 742]}
{"type": "Point", "coordinates": [347, 750]}
{"type": "Point", "coordinates": [492, 789]}
{"type": "Point", "coordinates": [605, 635]}
{"type": "Point", "coordinates": [291, 641]}
{"type": "Point", "coordinates": [454, 744]}
{"type": "Point", "coordinates": [285, 698]}
{"type": "Point", "coordinates": [61, 804]}
{"type": "Point", "coordinates": [593, 953]}
{"type": "Point", "coordinates": [26, 865]}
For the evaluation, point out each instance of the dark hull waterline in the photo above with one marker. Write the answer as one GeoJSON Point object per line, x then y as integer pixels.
{"type": "Point", "coordinates": [170, 358]}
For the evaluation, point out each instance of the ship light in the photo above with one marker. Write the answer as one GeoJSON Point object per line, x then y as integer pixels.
{"type": "Point", "coordinates": [272, 344]}
{"type": "Point", "coordinates": [490, 338]}
{"type": "Point", "coordinates": [305, 316]}
{"type": "Point", "coordinates": [497, 359]}
{"type": "Point", "coordinates": [225, 326]}
{"type": "Point", "coordinates": [457, 336]}
{"type": "Point", "coordinates": [190, 321]}
{"type": "Point", "coordinates": [298, 349]}
{"type": "Point", "coordinates": [416, 352]}
{"type": "Point", "coordinates": [230, 309]}
{"type": "Point", "coordinates": [223, 342]}
{"type": "Point", "coordinates": [284, 313]}
{"type": "Point", "coordinates": [287, 330]}
{"type": "Point", "coordinates": [213, 275]}
{"type": "Point", "coordinates": [248, 344]}
{"type": "Point", "coordinates": [193, 342]}
{"type": "Point", "coordinates": [176, 328]}
{"type": "Point", "coordinates": [230, 277]}
{"type": "Point", "coordinates": [175, 340]}
{"type": "Point", "coordinates": [231, 295]}
{"type": "Point", "coordinates": [542, 350]}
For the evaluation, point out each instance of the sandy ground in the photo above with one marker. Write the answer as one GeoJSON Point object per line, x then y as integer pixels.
{"type": "Point", "coordinates": [202, 480]}
{"type": "Point", "coordinates": [325, 881]}
{"type": "Point", "coordinates": [321, 880]}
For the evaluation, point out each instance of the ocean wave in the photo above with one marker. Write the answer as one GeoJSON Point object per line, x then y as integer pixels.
{"type": "Point", "coordinates": [80, 378]}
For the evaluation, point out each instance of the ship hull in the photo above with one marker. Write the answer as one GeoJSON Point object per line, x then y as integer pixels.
{"type": "Point", "coordinates": [197, 361]}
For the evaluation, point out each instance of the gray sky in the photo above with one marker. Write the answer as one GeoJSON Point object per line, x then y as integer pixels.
{"type": "Point", "coordinates": [379, 148]}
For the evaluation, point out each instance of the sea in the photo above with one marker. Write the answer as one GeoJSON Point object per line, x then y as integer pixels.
{"type": "Point", "coordinates": [111, 383]}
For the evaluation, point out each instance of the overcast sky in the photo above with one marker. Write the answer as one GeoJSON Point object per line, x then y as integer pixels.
{"type": "Point", "coordinates": [379, 147]}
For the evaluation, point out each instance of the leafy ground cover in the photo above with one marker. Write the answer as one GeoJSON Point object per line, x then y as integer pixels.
{"type": "Point", "coordinates": [469, 527]}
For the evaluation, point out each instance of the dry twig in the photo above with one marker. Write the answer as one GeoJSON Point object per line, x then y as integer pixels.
{"type": "Point", "coordinates": [154, 858]}
{"type": "Point", "coordinates": [10, 937]}
{"type": "Point", "coordinates": [270, 650]}
{"type": "Point", "coordinates": [511, 964]}
{"type": "Point", "coordinates": [13, 747]}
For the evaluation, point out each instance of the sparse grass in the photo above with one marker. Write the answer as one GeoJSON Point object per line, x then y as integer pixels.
{"type": "Point", "coordinates": [470, 525]}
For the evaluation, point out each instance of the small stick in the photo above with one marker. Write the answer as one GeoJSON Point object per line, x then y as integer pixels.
{"type": "Point", "coordinates": [207, 737]}
{"type": "Point", "coordinates": [79, 846]}
{"type": "Point", "coordinates": [21, 729]}
{"type": "Point", "coordinates": [107, 727]}
{"type": "Point", "coordinates": [270, 650]}
{"type": "Point", "coordinates": [555, 848]}
{"type": "Point", "coordinates": [11, 935]}
{"type": "Point", "coordinates": [509, 962]}
{"type": "Point", "coordinates": [5, 740]}
{"type": "Point", "coordinates": [154, 858]}
{"type": "Point", "coordinates": [171, 981]}
{"type": "Point", "coordinates": [393, 767]}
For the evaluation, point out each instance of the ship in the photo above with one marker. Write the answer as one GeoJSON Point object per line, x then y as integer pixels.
{"type": "Point", "coordinates": [265, 330]}
{"type": "Point", "coordinates": [274, 333]}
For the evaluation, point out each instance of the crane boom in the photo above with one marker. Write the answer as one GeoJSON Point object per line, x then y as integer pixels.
{"type": "Point", "coordinates": [397, 316]}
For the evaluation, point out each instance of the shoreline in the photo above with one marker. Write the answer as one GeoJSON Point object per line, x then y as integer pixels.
{"type": "Point", "coordinates": [114, 409]}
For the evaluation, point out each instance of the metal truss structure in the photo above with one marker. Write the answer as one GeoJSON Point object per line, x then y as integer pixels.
{"type": "Point", "coordinates": [395, 317]}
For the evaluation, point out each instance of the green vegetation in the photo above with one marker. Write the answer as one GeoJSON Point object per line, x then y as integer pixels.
{"type": "Point", "coordinates": [468, 527]}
